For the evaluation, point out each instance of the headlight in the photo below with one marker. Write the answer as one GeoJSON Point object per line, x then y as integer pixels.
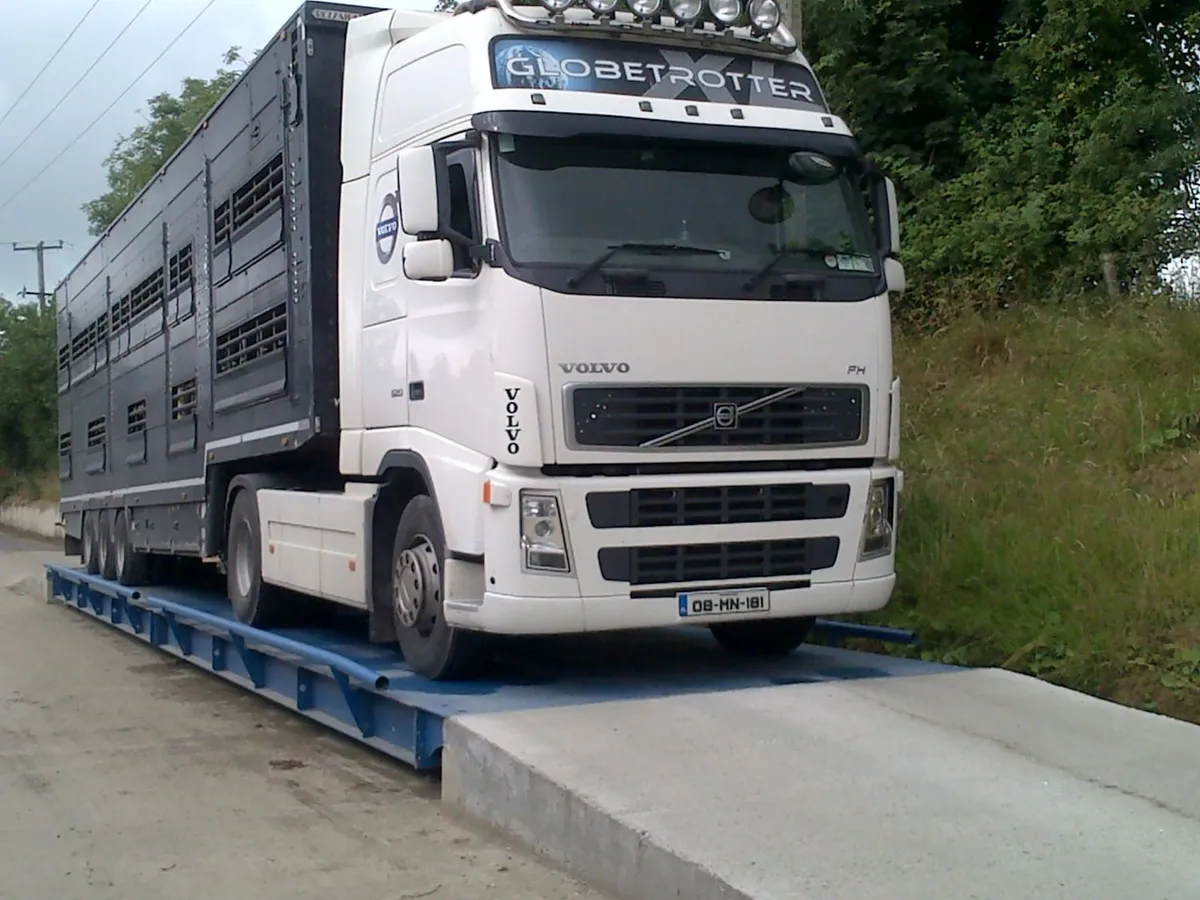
{"type": "Point", "coordinates": [686, 10]}
{"type": "Point", "coordinates": [645, 8]}
{"type": "Point", "coordinates": [764, 15]}
{"type": "Point", "coordinates": [725, 11]}
{"type": "Point", "coordinates": [879, 520]}
{"type": "Point", "coordinates": [543, 539]}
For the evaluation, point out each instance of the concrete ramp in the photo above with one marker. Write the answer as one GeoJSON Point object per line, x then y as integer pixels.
{"type": "Point", "coordinates": [967, 785]}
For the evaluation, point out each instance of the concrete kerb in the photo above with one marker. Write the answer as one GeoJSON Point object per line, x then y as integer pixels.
{"type": "Point", "coordinates": [36, 519]}
{"type": "Point", "coordinates": [487, 785]}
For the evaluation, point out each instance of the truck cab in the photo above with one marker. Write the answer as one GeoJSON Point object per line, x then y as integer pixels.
{"type": "Point", "coordinates": [551, 318]}
{"type": "Point", "coordinates": [617, 279]}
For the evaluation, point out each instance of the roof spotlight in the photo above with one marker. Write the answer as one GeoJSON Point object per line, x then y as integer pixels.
{"type": "Point", "coordinates": [686, 10]}
{"type": "Point", "coordinates": [644, 9]}
{"type": "Point", "coordinates": [765, 15]}
{"type": "Point", "coordinates": [725, 11]}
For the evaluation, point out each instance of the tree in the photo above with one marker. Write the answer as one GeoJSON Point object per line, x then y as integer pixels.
{"type": "Point", "coordinates": [171, 120]}
{"type": "Point", "coordinates": [28, 407]}
{"type": "Point", "coordinates": [1034, 141]}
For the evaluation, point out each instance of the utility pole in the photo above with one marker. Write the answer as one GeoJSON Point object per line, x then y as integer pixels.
{"type": "Point", "coordinates": [40, 249]}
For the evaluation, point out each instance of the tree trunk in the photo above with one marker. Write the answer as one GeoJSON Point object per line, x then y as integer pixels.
{"type": "Point", "coordinates": [1108, 263]}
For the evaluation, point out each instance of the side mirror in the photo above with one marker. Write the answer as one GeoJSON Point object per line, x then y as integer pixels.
{"type": "Point", "coordinates": [893, 211]}
{"type": "Point", "coordinates": [893, 271]}
{"type": "Point", "coordinates": [428, 260]}
{"type": "Point", "coordinates": [417, 173]}
{"type": "Point", "coordinates": [887, 212]}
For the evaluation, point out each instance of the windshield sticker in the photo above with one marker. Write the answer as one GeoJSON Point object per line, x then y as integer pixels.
{"type": "Point", "coordinates": [853, 263]}
{"type": "Point", "coordinates": [644, 70]}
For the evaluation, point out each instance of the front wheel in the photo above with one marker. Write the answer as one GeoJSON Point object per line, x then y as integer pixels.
{"type": "Point", "coordinates": [431, 647]}
{"type": "Point", "coordinates": [763, 637]}
{"type": "Point", "coordinates": [255, 602]}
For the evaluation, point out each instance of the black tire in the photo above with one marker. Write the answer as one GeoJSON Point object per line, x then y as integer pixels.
{"type": "Point", "coordinates": [89, 554]}
{"type": "Point", "coordinates": [106, 545]}
{"type": "Point", "coordinates": [431, 647]}
{"type": "Point", "coordinates": [255, 602]}
{"type": "Point", "coordinates": [762, 637]}
{"type": "Point", "coordinates": [132, 566]}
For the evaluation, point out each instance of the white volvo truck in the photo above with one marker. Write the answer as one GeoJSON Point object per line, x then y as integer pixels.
{"type": "Point", "coordinates": [554, 318]}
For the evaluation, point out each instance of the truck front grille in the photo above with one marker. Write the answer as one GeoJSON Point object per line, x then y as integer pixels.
{"type": "Point", "coordinates": [717, 416]}
{"type": "Point", "coordinates": [721, 505]}
{"type": "Point", "coordinates": [695, 563]}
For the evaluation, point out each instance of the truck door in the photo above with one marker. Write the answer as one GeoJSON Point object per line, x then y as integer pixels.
{"type": "Point", "coordinates": [385, 305]}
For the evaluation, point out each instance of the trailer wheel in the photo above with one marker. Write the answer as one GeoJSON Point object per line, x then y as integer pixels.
{"type": "Point", "coordinates": [762, 637]}
{"type": "Point", "coordinates": [106, 545]}
{"type": "Point", "coordinates": [255, 602]}
{"type": "Point", "coordinates": [431, 647]}
{"type": "Point", "coordinates": [131, 565]}
{"type": "Point", "coordinates": [90, 554]}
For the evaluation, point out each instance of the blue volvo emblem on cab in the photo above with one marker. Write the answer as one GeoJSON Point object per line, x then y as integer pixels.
{"type": "Point", "coordinates": [387, 230]}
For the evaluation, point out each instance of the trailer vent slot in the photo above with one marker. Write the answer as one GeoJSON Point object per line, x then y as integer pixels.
{"type": "Point", "coordinates": [251, 200]}
{"type": "Point", "coordinates": [136, 418]}
{"type": "Point", "coordinates": [64, 444]}
{"type": "Point", "coordinates": [97, 433]}
{"type": "Point", "coordinates": [90, 338]}
{"type": "Point", "coordinates": [252, 340]}
{"type": "Point", "coordinates": [183, 400]}
{"type": "Point", "coordinates": [64, 357]}
{"type": "Point", "coordinates": [179, 271]}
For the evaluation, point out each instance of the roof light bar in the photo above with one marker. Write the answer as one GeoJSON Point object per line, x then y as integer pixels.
{"type": "Point", "coordinates": [753, 23]}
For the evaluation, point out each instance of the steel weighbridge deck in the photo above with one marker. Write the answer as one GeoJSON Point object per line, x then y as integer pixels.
{"type": "Point", "coordinates": [335, 677]}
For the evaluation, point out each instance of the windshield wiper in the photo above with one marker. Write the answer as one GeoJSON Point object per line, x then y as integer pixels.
{"type": "Point", "coordinates": [651, 248]}
{"type": "Point", "coordinates": [779, 257]}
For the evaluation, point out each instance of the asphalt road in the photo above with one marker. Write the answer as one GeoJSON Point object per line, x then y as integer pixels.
{"type": "Point", "coordinates": [128, 775]}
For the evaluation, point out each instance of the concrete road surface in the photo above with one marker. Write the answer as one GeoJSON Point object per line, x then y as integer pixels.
{"type": "Point", "coordinates": [127, 775]}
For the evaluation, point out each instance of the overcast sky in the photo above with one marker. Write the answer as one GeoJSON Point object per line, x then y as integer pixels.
{"type": "Point", "coordinates": [49, 207]}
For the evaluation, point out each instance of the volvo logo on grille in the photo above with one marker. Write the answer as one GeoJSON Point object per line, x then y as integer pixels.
{"type": "Point", "coordinates": [725, 416]}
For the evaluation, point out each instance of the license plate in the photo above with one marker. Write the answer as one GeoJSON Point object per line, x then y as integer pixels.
{"type": "Point", "coordinates": [724, 603]}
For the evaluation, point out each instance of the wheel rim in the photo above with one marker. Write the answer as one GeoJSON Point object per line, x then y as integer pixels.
{"type": "Point", "coordinates": [120, 546]}
{"type": "Point", "coordinates": [417, 586]}
{"type": "Point", "coordinates": [243, 565]}
{"type": "Point", "coordinates": [101, 548]}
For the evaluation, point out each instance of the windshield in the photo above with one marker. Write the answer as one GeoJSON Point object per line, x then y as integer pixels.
{"type": "Point", "coordinates": [570, 202]}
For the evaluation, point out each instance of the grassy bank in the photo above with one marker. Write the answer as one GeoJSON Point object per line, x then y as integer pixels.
{"type": "Point", "coordinates": [41, 487]}
{"type": "Point", "coordinates": [1051, 522]}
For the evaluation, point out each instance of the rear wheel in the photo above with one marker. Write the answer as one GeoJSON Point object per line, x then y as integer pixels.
{"type": "Point", "coordinates": [132, 566]}
{"type": "Point", "coordinates": [90, 555]}
{"type": "Point", "coordinates": [763, 637]}
{"type": "Point", "coordinates": [431, 647]}
{"type": "Point", "coordinates": [255, 602]}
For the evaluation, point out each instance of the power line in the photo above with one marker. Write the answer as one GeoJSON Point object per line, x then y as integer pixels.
{"type": "Point", "coordinates": [71, 89]}
{"type": "Point", "coordinates": [107, 109]}
{"type": "Point", "coordinates": [53, 57]}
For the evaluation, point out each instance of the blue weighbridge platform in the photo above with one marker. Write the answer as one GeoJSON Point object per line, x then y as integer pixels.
{"type": "Point", "coordinates": [334, 676]}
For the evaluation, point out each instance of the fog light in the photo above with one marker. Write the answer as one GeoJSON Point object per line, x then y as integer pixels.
{"type": "Point", "coordinates": [543, 538]}
{"type": "Point", "coordinates": [879, 520]}
{"type": "Point", "coordinates": [602, 7]}
{"type": "Point", "coordinates": [557, 6]}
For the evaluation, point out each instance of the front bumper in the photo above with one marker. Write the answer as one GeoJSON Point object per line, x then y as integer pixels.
{"type": "Point", "coordinates": [516, 601]}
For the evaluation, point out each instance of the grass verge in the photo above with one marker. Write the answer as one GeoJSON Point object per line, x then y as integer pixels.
{"type": "Point", "coordinates": [1050, 522]}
